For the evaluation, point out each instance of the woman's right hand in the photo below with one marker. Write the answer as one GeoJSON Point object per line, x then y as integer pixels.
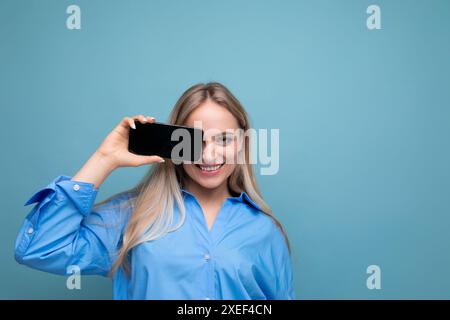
{"type": "Point", "coordinates": [115, 146]}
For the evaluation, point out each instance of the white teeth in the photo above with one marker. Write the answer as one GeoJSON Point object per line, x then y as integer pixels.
{"type": "Point", "coordinates": [210, 168]}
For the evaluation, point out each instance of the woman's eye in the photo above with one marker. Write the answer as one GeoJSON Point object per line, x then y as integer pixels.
{"type": "Point", "coordinates": [224, 140]}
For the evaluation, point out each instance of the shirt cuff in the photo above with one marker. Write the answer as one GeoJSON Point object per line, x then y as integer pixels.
{"type": "Point", "coordinates": [81, 193]}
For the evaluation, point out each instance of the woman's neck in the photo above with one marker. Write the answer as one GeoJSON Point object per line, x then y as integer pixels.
{"type": "Point", "coordinates": [207, 195]}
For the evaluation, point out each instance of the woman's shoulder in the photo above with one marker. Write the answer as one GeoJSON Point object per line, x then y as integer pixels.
{"type": "Point", "coordinates": [267, 223]}
{"type": "Point", "coordinates": [260, 221]}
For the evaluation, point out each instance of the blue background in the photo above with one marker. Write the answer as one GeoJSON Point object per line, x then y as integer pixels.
{"type": "Point", "coordinates": [363, 118]}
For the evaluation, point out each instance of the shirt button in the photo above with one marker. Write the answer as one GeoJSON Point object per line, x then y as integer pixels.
{"type": "Point", "coordinates": [206, 257]}
{"type": "Point", "coordinates": [30, 230]}
{"type": "Point", "coordinates": [76, 187]}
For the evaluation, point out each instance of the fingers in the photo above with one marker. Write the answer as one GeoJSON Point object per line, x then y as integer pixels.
{"type": "Point", "coordinates": [150, 159]}
{"type": "Point", "coordinates": [144, 119]}
{"type": "Point", "coordinates": [130, 121]}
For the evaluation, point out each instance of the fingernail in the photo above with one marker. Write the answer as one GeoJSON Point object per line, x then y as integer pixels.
{"type": "Point", "coordinates": [162, 160]}
{"type": "Point", "coordinates": [133, 125]}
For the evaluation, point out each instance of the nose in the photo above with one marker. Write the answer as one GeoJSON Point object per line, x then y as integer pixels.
{"type": "Point", "coordinates": [210, 153]}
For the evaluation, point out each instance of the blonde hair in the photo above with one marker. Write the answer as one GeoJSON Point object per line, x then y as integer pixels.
{"type": "Point", "coordinates": [159, 191]}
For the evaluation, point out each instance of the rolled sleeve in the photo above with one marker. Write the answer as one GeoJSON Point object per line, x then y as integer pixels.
{"type": "Point", "coordinates": [63, 228]}
{"type": "Point", "coordinates": [82, 194]}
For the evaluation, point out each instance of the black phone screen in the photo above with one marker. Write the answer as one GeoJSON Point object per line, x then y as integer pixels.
{"type": "Point", "coordinates": [167, 141]}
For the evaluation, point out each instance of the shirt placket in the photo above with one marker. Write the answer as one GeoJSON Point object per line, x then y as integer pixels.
{"type": "Point", "coordinates": [209, 237]}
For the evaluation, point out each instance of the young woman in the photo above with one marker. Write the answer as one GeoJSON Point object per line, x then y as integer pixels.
{"type": "Point", "coordinates": [186, 231]}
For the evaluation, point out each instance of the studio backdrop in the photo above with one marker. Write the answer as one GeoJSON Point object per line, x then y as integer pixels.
{"type": "Point", "coordinates": [358, 92]}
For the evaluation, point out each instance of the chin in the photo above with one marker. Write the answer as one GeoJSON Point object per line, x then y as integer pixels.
{"type": "Point", "coordinates": [209, 181]}
{"type": "Point", "coordinates": [209, 184]}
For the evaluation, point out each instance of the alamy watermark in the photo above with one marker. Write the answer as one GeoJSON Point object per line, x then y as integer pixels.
{"type": "Point", "coordinates": [74, 279]}
{"type": "Point", "coordinates": [374, 280]}
{"type": "Point", "coordinates": [230, 146]}
{"type": "Point", "coordinates": [373, 22]}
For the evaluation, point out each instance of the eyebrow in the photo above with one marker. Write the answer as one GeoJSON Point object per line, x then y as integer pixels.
{"type": "Point", "coordinates": [222, 133]}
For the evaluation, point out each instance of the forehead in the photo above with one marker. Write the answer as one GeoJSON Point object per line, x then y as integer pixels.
{"type": "Point", "coordinates": [212, 117]}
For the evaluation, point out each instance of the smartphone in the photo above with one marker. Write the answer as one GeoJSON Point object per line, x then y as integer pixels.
{"type": "Point", "coordinates": [179, 143]}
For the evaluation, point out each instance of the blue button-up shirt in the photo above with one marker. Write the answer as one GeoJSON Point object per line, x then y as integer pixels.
{"type": "Point", "coordinates": [243, 256]}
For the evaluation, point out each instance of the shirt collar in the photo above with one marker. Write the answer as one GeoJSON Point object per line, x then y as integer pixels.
{"type": "Point", "coordinates": [243, 197]}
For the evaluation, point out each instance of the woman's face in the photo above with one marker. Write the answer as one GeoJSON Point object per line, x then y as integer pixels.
{"type": "Point", "coordinates": [220, 145]}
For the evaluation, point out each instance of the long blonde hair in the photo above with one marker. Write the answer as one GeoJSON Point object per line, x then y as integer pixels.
{"type": "Point", "coordinates": [159, 191]}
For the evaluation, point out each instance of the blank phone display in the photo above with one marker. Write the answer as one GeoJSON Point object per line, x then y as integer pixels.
{"type": "Point", "coordinates": [160, 139]}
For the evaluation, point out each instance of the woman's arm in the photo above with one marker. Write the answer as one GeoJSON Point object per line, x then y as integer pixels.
{"type": "Point", "coordinates": [283, 280]}
{"type": "Point", "coordinates": [64, 229]}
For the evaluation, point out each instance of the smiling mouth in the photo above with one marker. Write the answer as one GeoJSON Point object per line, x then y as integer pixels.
{"type": "Point", "coordinates": [209, 168]}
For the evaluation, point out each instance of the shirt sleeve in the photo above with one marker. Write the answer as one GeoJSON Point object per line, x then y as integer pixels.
{"type": "Point", "coordinates": [283, 286]}
{"type": "Point", "coordinates": [64, 229]}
